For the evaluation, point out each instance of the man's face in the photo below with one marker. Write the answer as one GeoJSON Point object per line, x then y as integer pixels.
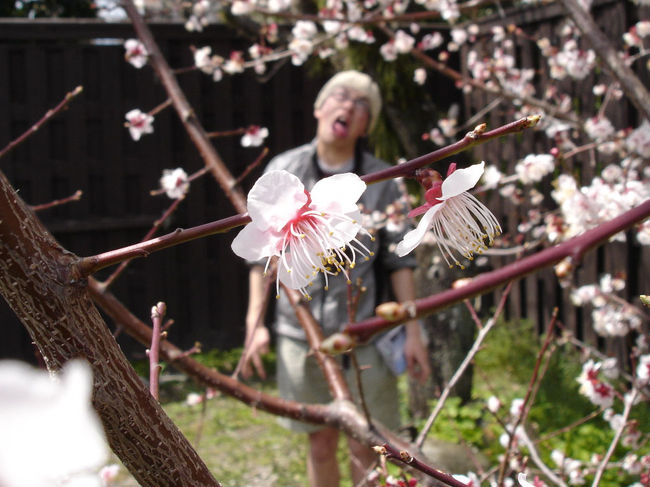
{"type": "Point", "coordinates": [343, 117]}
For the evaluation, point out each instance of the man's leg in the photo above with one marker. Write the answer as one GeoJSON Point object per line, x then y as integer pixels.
{"type": "Point", "coordinates": [361, 458]}
{"type": "Point", "coordinates": [322, 465]}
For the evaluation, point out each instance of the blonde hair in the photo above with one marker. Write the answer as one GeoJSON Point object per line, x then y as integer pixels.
{"type": "Point", "coordinates": [357, 81]}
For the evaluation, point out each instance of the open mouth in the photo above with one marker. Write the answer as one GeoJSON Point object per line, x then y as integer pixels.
{"type": "Point", "coordinates": [340, 127]}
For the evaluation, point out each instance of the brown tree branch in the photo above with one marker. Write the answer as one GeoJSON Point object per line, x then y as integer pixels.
{"type": "Point", "coordinates": [46, 118]}
{"type": "Point", "coordinates": [573, 249]}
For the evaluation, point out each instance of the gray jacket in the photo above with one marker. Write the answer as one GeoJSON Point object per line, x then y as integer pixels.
{"type": "Point", "coordinates": [384, 207]}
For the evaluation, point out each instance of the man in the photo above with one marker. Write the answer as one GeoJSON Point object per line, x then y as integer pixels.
{"type": "Point", "coordinates": [346, 109]}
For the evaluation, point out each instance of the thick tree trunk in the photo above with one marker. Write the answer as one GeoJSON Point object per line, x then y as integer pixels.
{"type": "Point", "coordinates": [40, 282]}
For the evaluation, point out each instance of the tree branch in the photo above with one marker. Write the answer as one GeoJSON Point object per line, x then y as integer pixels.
{"type": "Point", "coordinates": [573, 249]}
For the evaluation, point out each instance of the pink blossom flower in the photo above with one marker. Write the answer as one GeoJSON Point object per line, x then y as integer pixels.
{"type": "Point", "coordinates": [458, 220]}
{"type": "Point", "coordinates": [254, 136]}
{"type": "Point", "coordinates": [308, 232]}
{"type": "Point", "coordinates": [420, 76]}
{"type": "Point", "coordinates": [194, 398]}
{"type": "Point", "coordinates": [175, 183]}
{"type": "Point", "coordinates": [136, 53]}
{"type": "Point", "coordinates": [537, 482]}
{"type": "Point", "coordinates": [108, 473]}
{"type": "Point", "coordinates": [388, 51]}
{"type": "Point", "coordinates": [403, 42]}
{"type": "Point", "coordinates": [534, 167]}
{"type": "Point", "coordinates": [139, 123]}
{"type": "Point", "coordinates": [208, 63]}
{"type": "Point", "coordinates": [235, 63]}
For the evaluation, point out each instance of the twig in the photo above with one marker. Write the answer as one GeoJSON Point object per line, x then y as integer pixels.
{"type": "Point", "coordinates": [463, 366]}
{"type": "Point", "coordinates": [45, 206]}
{"type": "Point", "coordinates": [48, 115]}
{"type": "Point", "coordinates": [156, 225]}
{"type": "Point", "coordinates": [534, 454]}
{"type": "Point", "coordinates": [471, 139]}
{"type": "Point", "coordinates": [252, 166]}
{"type": "Point", "coordinates": [569, 427]}
{"type": "Point", "coordinates": [529, 397]}
{"type": "Point", "coordinates": [157, 313]}
{"type": "Point", "coordinates": [405, 457]}
{"type": "Point", "coordinates": [617, 437]}
{"type": "Point", "coordinates": [362, 398]}
{"type": "Point", "coordinates": [90, 265]}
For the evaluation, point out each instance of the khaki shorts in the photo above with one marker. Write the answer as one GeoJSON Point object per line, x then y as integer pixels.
{"type": "Point", "coordinates": [300, 379]}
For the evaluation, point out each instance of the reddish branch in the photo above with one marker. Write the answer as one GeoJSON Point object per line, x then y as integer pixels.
{"type": "Point", "coordinates": [406, 457]}
{"type": "Point", "coordinates": [572, 249]}
{"type": "Point", "coordinates": [46, 118]}
{"type": "Point", "coordinates": [157, 314]}
{"type": "Point", "coordinates": [46, 206]}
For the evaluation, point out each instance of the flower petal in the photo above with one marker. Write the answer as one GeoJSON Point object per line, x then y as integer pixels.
{"type": "Point", "coordinates": [254, 244]}
{"type": "Point", "coordinates": [274, 200]}
{"type": "Point", "coordinates": [461, 180]}
{"type": "Point", "coordinates": [338, 193]}
{"type": "Point", "coordinates": [414, 237]}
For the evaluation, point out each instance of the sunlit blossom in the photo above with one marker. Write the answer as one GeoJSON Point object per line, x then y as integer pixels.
{"type": "Point", "coordinates": [533, 167]}
{"type": "Point", "coordinates": [136, 53]}
{"type": "Point", "coordinates": [310, 232]}
{"type": "Point", "coordinates": [175, 183]}
{"type": "Point", "coordinates": [458, 220]}
{"type": "Point", "coordinates": [139, 123]}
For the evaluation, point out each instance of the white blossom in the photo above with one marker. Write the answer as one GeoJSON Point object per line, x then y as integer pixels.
{"type": "Point", "coordinates": [175, 183]}
{"type": "Point", "coordinates": [51, 435]}
{"type": "Point", "coordinates": [534, 167]}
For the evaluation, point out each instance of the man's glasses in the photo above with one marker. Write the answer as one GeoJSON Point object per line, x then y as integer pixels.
{"type": "Point", "coordinates": [361, 103]}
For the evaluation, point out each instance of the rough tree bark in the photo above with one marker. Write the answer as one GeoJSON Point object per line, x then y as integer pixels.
{"type": "Point", "coordinates": [40, 281]}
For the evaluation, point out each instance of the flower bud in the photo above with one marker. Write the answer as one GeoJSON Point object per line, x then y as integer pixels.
{"type": "Point", "coordinates": [337, 343]}
{"type": "Point", "coordinates": [391, 311]}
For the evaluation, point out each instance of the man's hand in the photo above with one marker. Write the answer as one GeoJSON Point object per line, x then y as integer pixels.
{"type": "Point", "coordinates": [417, 358]}
{"type": "Point", "coordinates": [258, 346]}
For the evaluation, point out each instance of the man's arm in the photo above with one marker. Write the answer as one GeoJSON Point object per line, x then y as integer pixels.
{"type": "Point", "coordinates": [415, 350]}
{"type": "Point", "coordinates": [257, 335]}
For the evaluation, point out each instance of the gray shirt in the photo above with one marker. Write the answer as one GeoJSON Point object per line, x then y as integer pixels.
{"type": "Point", "coordinates": [384, 207]}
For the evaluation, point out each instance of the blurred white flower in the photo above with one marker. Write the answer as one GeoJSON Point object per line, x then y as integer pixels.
{"type": "Point", "coordinates": [534, 167]}
{"type": "Point", "coordinates": [136, 53]}
{"type": "Point", "coordinates": [420, 76]}
{"type": "Point", "coordinates": [175, 183]}
{"type": "Point", "coordinates": [51, 435]}
{"type": "Point", "coordinates": [254, 136]}
{"type": "Point", "coordinates": [108, 474]}
{"type": "Point", "coordinates": [139, 123]}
